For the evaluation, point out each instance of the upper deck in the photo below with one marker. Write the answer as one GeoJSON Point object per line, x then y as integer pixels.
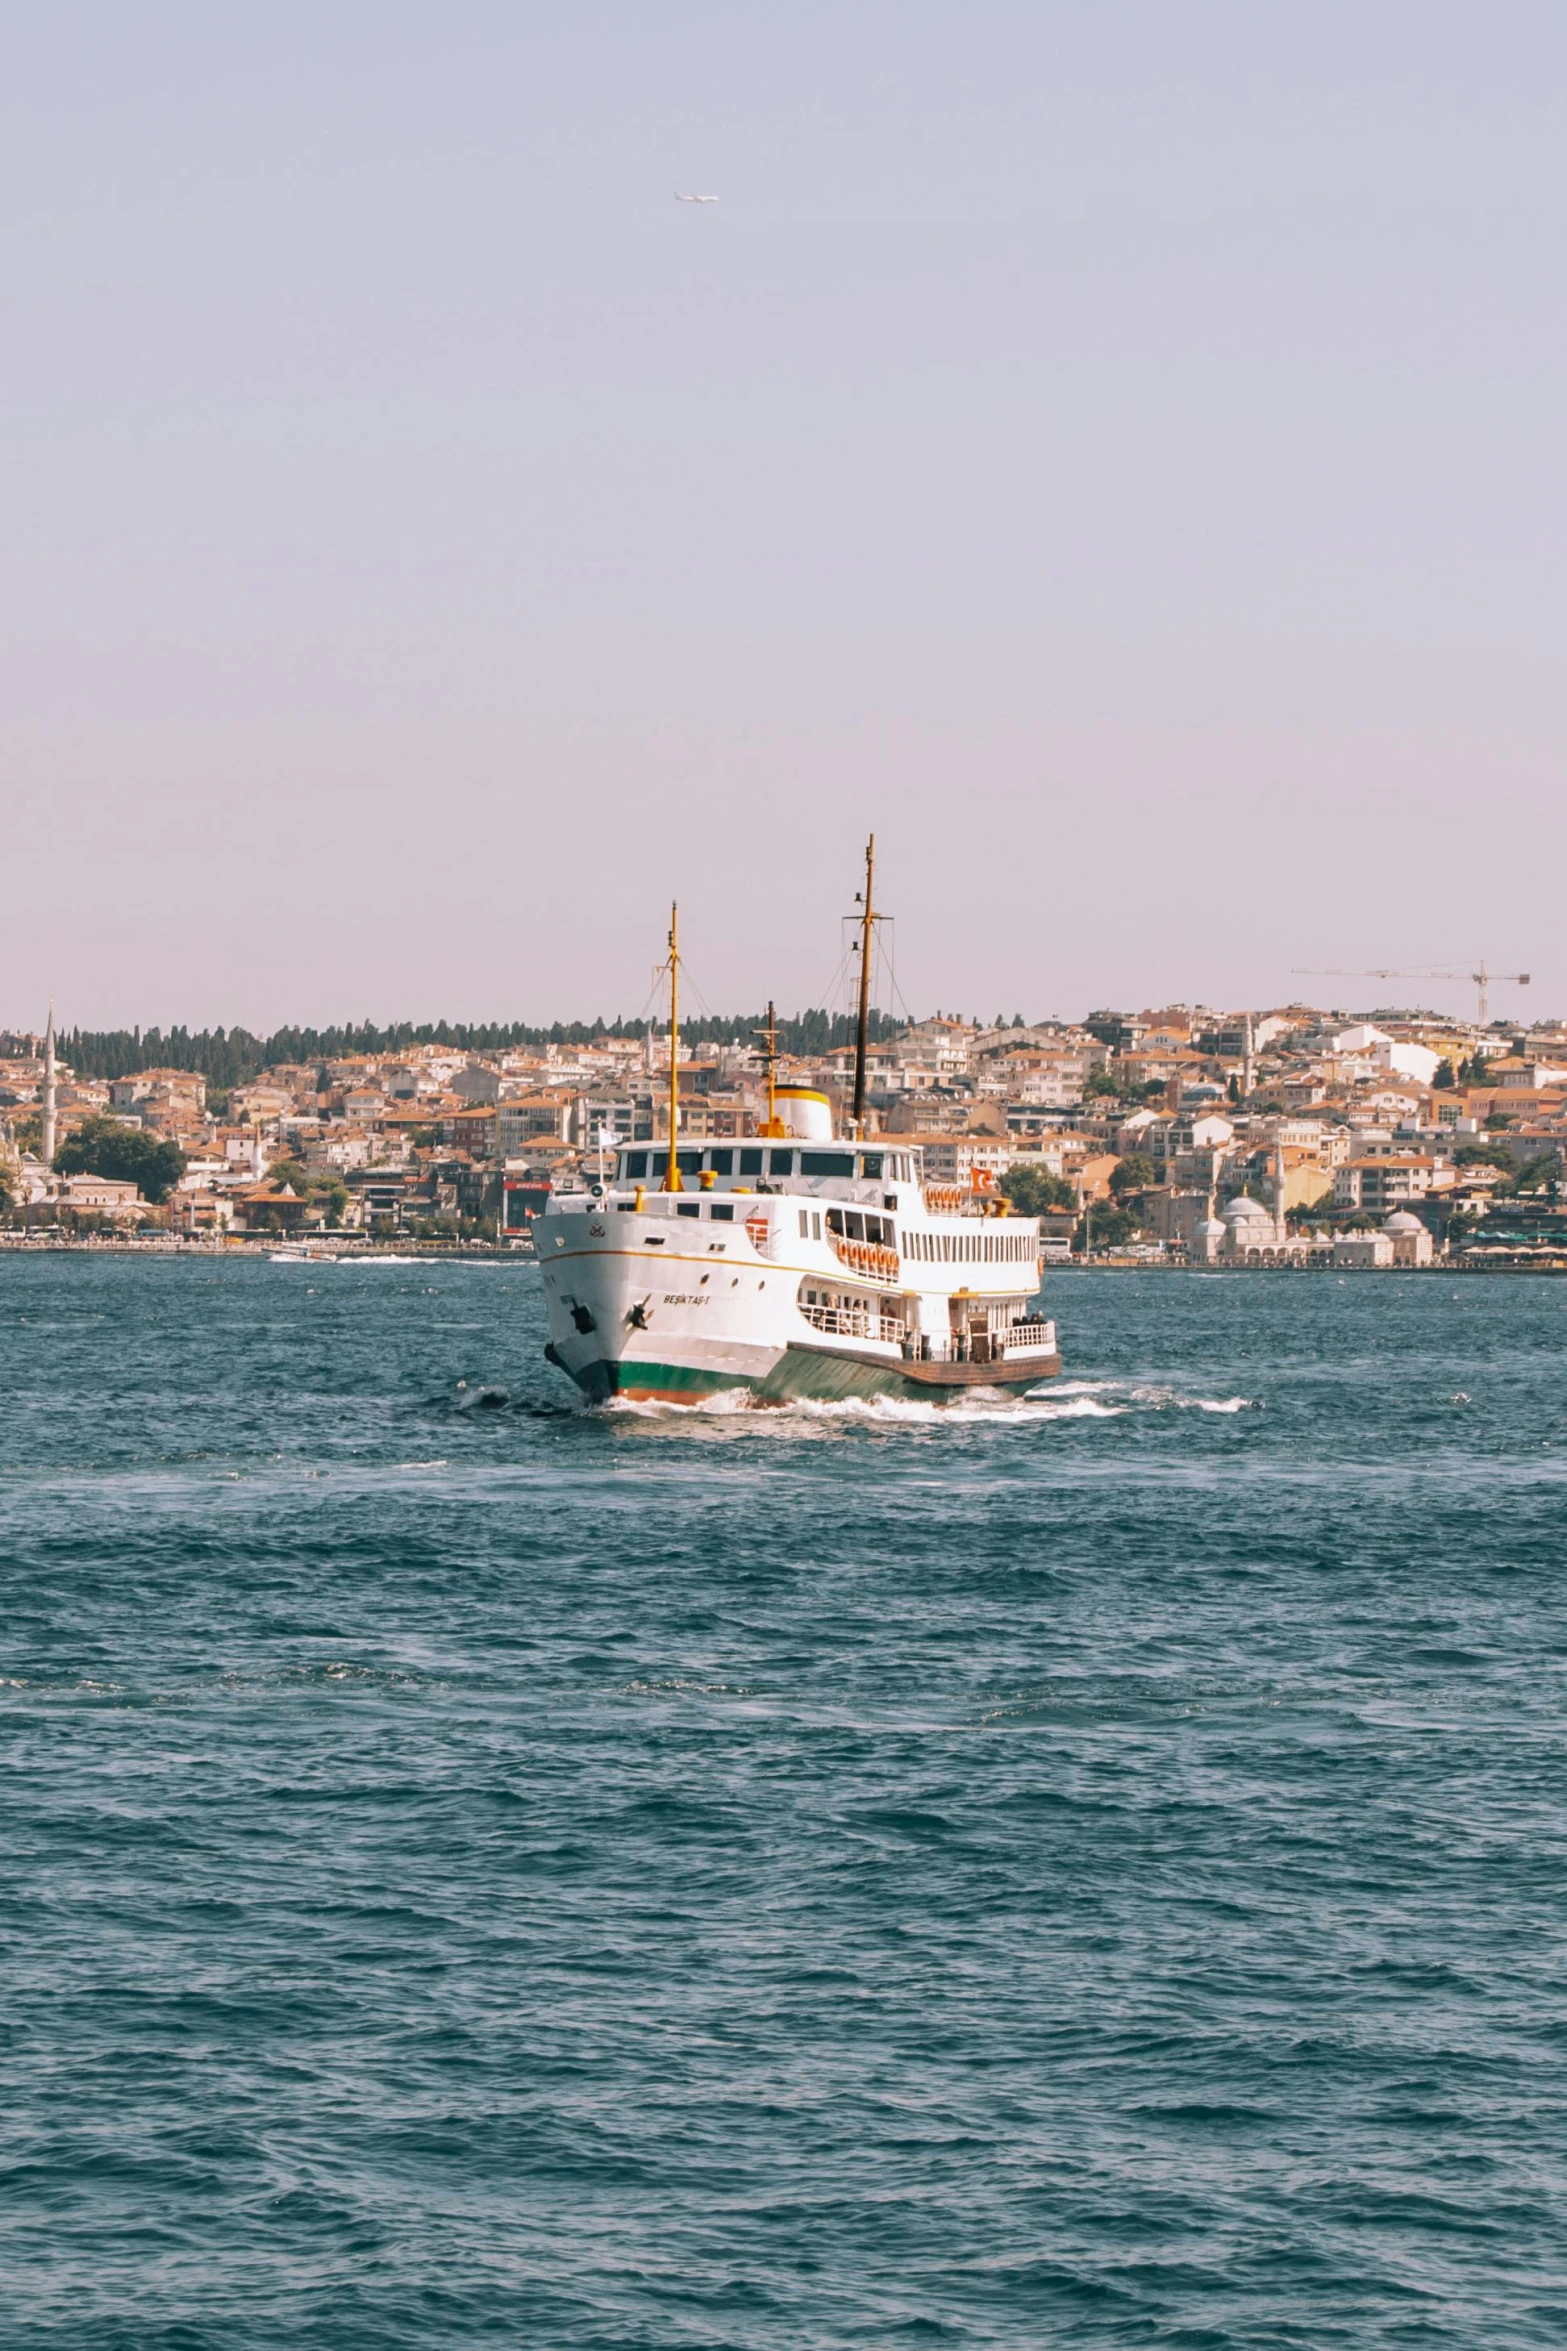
{"type": "Point", "coordinates": [839, 1171]}
{"type": "Point", "coordinates": [871, 1215]}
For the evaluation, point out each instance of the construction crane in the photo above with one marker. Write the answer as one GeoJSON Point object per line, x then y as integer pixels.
{"type": "Point", "coordinates": [1482, 979]}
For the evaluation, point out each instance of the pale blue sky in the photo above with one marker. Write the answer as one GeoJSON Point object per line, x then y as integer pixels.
{"type": "Point", "coordinates": [1115, 450]}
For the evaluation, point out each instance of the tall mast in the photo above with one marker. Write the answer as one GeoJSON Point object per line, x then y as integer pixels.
{"type": "Point", "coordinates": [768, 1038]}
{"type": "Point", "coordinates": [672, 1170]}
{"type": "Point", "coordinates": [863, 1026]}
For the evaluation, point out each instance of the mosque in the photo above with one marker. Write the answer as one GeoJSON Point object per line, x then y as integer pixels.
{"type": "Point", "coordinates": [1247, 1232]}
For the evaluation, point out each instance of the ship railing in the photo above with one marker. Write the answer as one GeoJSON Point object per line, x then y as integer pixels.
{"type": "Point", "coordinates": [854, 1322]}
{"type": "Point", "coordinates": [1032, 1335]}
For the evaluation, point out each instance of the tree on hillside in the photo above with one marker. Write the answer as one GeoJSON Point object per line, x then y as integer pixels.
{"type": "Point", "coordinates": [1134, 1173]}
{"type": "Point", "coordinates": [321, 1188]}
{"type": "Point", "coordinates": [1483, 1155]}
{"type": "Point", "coordinates": [1099, 1085]}
{"type": "Point", "coordinates": [126, 1155]}
{"type": "Point", "coordinates": [1034, 1191]}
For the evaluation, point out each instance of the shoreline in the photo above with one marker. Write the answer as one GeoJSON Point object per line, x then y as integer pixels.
{"type": "Point", "coordinates": [487, 1252]}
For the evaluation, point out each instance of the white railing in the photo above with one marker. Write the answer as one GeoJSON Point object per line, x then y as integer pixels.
{"type": "Point", "coordinates": [854, 1322]}
{"type": "Point", "coordinates": [1031, 1336]}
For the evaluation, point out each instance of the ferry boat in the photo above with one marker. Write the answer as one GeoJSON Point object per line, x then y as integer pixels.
{"type": "Point", "coordinates": [796, 1262]}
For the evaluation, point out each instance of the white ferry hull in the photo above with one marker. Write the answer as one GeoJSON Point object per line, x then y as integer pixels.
{"type": "Point", "coordinates": [652, 1310]}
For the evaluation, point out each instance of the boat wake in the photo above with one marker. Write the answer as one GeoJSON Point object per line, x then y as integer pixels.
{"type": "Point", "coordinates": [1065, 1400]}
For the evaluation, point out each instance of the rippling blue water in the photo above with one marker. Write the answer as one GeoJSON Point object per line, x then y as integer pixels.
{"type": "Point", "coordinates": [1077, 1872]}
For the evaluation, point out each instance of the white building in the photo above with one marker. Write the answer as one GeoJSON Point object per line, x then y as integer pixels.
{"type": "Point", "coordinates": [1373, 1046]}
{"type": "Point", "coordinates": [1359, 1250]}
{"type": "Point", "coordinates": [1412, 1244]}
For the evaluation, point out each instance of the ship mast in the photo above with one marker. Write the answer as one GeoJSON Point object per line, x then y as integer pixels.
{"type": "Point", "coordinates": [672, 1169]}
{"type": "Point", "coordinates": [863, 1025]}
{"type": "Point", "coordinates": [768, 1039]}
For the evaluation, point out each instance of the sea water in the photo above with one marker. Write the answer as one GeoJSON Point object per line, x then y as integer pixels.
{"type": "Point", "coordinates": [1084, 1870]}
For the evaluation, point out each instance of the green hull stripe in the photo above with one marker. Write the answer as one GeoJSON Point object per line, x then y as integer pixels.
{"type": "Point", "coordinates": [800, 1372]}
{"type": "Point", "coordinates": [678, 1383]}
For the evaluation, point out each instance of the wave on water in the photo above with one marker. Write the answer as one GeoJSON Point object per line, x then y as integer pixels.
{"type": "Point", "coordinates": [1067, 1400]}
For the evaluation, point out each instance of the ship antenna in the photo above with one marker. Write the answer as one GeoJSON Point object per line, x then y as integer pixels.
{"type": "Point", "coordinates": [863, 1026]}
{"type": "Point", "coordinates": [672, 1168]}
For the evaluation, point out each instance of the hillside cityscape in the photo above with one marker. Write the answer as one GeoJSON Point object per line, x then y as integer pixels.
{"type": "Point", "coordinates": [1292, 1134]}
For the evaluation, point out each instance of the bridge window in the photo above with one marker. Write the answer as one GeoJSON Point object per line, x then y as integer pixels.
{"type": "Point", "coordinates": [723, 1210]}
{"type": "Point", "coordinates": [826, 1163]}
{"type": "Point", "coordinates": [633, 1163]}
{"type": "Point", "coordinates": [750, 1163]}
{"type": "Point", "coordinates": [781, 1163]}
{"type": "Point", "coordinates": [721, 1162]}
{"type": "Point", "coordinates": [871, 1166]}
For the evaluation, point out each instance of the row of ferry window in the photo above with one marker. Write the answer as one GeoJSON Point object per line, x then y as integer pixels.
{"type": "Point", "coordinates": [987, 1244]}
{"type": "Point", "coordinates": [992, 1244]}
{"type": "Point", "coordinates": [851, 1224]}
{"type": "Point", "coordinates": [751, 1160]}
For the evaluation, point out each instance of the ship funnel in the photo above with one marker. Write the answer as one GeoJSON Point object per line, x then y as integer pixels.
{"type": "Point", "coordinates": [804, 1113]}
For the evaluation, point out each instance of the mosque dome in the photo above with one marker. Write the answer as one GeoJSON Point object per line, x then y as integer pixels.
{"type": "Point", "coordinates": [1245, 1211]}
{"type": "Point", "coordinates": [1402, 1222]}
{"type": "Point", "coordinates": [1210, 1229]}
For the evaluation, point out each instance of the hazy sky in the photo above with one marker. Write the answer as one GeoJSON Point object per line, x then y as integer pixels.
{"type": "Point", "coordinates": [1114, 450]}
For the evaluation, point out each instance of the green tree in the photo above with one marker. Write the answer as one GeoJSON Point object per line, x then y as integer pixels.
{"type": "Point", "coordinates": [1500, 1119]}
{"type": "Point", "coordinates": [1099, 1085]}
{"type": "Point", "coordinates": [1483, 1155]}
{"type": "Point", "coordinates": [1442, 1076]}
{"type": "Point", "coordinates": [1538, 1175]}
{"type": "Point", "coordinates": [321, 1188]}
{"type": "Point", "coordinates": [1034, 1191]}
{"type": "Point", "coordinates": [125, 1155]}
{"type": "Point", "coordinates": [329, 1196]}
{"type": "Point", "coordinates": [1108, 1228]}
{"type": "Point", "coordinates": [1134, 1173]}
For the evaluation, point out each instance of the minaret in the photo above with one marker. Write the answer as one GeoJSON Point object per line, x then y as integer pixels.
{"type": "Point", "coordinates": [1280, 1228]}
{"type": "Point", "coordinates": [1248, 1073]}
{"type": "Point", "coordinates": [49, 1105]}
